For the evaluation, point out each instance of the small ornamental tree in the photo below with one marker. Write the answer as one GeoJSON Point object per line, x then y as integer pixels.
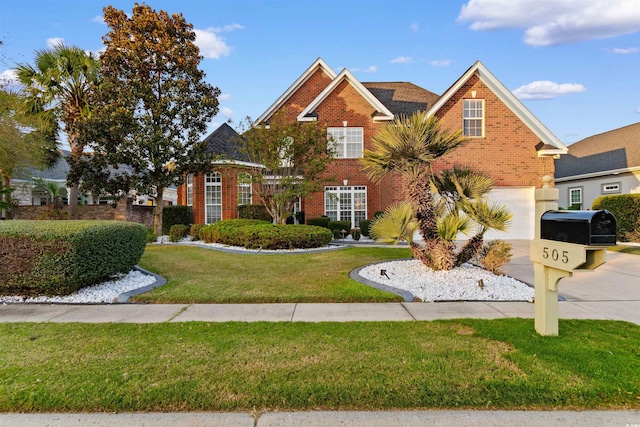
{"type": "Point", "coordinates": [290, 160]}
{"type": "Point", "coordinates": [151, 108]}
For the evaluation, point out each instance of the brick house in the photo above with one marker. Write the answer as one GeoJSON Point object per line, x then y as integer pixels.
{"type": "Point", "coordinates": [506, 141]}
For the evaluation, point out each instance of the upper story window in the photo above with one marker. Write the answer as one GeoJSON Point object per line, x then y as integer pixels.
{"type": "Point", "coordinates": [473, 118]}
{"type": "Point", "coordinates": [190, 190]}
{"type": "Point", "coordinates": [347, 141]}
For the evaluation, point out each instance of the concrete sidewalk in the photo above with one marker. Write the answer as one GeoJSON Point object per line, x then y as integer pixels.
{"type": "Point", "coordinates": [338, 418]}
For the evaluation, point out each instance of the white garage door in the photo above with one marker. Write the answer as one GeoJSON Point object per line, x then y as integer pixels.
{"type": "Point", "coordinates": [520, 202]}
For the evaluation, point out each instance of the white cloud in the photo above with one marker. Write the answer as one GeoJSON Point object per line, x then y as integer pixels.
{"type": "Point", "coordinates": [401, 60]}
{"type": "Point", "coordinates": [227, 112]}
{"type": "Point", "coordinates": [211, 46]}
{"type": "Point", "coordinates": [226, 28]}
{"type": "Point", "coordinates": [415, 26]}
{"type": "Point", "coordinates": [99, 19]}
{"type": "Point", "coordinates": [552, 22]}
{"type": "Point", "coordinates": [547, 90]}
{"type": "Point", "coordinates": [224, 97]}
{"type": "Point", "coordinates": [8, 77]}
{"type": "Point", "coordinates": [625, 51]}
{"type": "Point", "coordinates": [370, 69]}
{"type": "Point", "coordinates": [440, 63]}
{"type": "Point", "coordinates": [53, 41]}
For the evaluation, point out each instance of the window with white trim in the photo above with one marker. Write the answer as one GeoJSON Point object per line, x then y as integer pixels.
{"type": "Point", "coordinates": [346, 204]}
{"type": "Point", "coordinates": [473, 118]}
{"type": "Point", "coordinates": [611, 188]}
{"type": "Point", "coordinates": [575, 198]}
{"type": "Point", "coordinates": [212, 197]}
{"type": "Point", "coordinates": [190, 190]}
{"type": "Point", "coordinates": [244, 189]}
{"type": "Point", "coordinates": [348, 142]}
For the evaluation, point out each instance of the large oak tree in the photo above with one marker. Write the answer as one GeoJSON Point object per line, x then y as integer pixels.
{"type": "Point", "coordinates": [151, 108]}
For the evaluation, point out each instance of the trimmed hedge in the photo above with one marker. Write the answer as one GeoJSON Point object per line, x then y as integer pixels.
{"type": "Point", "coordinates": [340, 225]}
{"type": "Point", "coordinates": [176, 214]}
{"type": "Point", "coordinates": [60, 257]}
{"type": "Point", "coordinates": [254, 212]}
{"type": "Point", "coordinates": [626, 209]}
{"type": "Point", "coordinates": [178, 232]}
{"type": "Point", "coordinates": [365, 225]}
{"type": "Point", "coordinates": [194, 231]}
{"type": "Point", "coordinates": [321, 221]}
{"type": "Point", "coordinates": [254, 234]}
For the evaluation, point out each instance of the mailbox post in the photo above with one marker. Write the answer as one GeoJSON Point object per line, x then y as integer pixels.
{"type": "Point", "coordinates": [565, 242]}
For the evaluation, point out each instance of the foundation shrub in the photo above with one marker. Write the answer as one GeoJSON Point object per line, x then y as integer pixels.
{"type": "Point", "coordinates": [176, 214]}
{"type": "Point", "coordinates": [60, 257]}
{"type": "Point", "coordinates": [223, 231]}
{"type": "Point", "coordinates": [340, 225]}
{"type": "Point", "coordinates": [254, 212]}
{"type": "Point", "coordinates": [320, 221]}
{"type": "Point", "coordinates": [356, 233]}
{"type": "Point", "coordinates": [365, 225]}
{"type": "Point", "coordinates": [194, 231]}
{"type": "Point", "coordinates": [178, 232]}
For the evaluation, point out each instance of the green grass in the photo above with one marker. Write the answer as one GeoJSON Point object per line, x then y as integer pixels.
{"type": "Point", "coordinates": [197, 275]}
{"type": "Point", "coordinates": [483, 364]}
{"type": "Point", "coordinates": [625, 249]}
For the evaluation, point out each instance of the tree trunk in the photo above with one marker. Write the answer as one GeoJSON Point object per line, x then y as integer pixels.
{"type": "Point", "coordinates": [4, 214]}
{"type": "Point", "coordinates": [73, 202]}
{"type": "Point", "coordinates": [470, 249]}
{"type": "Point", "coordinates": [157, 212]}
{"type": "Point", "coordinates": [437, 253]}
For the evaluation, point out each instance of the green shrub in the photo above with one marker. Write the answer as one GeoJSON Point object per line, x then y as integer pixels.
{"type": "Point", "coordinates": [254, 212]}
{"type": "Point", "coordinates": [223, 231]}
{"type": "Point", "coordinates": [60, 257]}
{"type": "Point", "coordinates": [494, 255]}
{"type": "Point", "coordinates": [321, 221]}
{"type": "Point", "coordinates": [377, 214]}
{"type": "Point", "coordinates": [355, 233]}
{"type": "Point", "coordinates": [176, 214]}
{"type": "Point", "coordinates": [194, 231]}
{"type": "Point", "coordinates": [151, 236]}
{"type": "Point", "coordinates": [365, 225]}
{"type": "Point", "coordinates": [255, 234]}
{"type": "Point", "coordinates": [626, 209]}
{"type": "Point", "coordinates": [340, 225]}
{"type": "Point", "coordinates": [337, 234]}
{"type": "Point", "coordinates": [178, 232]}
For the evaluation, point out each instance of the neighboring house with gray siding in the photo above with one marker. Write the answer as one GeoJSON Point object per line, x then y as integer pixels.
{"type": "Point", "coordinates": [603, 164]}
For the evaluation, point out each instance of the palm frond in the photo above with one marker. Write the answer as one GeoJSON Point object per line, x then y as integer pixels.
{"type": "Point", "coordinates": [398, 223]}
{"type": "Point", "coordinates": [451, 224]}
{"type": "Point", "coordinates": [488, 216]}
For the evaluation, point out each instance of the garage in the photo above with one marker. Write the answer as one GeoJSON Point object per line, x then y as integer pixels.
{"type": "Point", "coordinates": [521, 203]}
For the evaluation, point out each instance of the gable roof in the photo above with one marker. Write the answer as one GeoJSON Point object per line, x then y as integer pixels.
{"type": "Point", "coordinates": [318, 64]}
{"type": "Point", "coordinates": [222, 142]}
{"type": "Point", "coordinates": [383, 112]}
{"type": "Point", "coordinates": [402, 98]}
{"type": "Point", "coordinates": [551, 145]}
{"type": "Point", "coordinates": [617, 150]}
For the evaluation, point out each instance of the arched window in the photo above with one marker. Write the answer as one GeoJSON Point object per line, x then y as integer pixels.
{"type": "Point", "coordinates": [212, 197]}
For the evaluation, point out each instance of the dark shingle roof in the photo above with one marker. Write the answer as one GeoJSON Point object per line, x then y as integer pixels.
{"type": "Point", "coordinates": [57, 172]}
{"type": "Point", "coordinates": [402, 97]}
{"type": "Point", "coordinates": [616, 149]}
{"type": "Point", "coordinates": [223, 142]}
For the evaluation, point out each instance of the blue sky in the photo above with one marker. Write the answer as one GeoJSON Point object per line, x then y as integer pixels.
{"type": "Point", "coordinates": [574, 63]}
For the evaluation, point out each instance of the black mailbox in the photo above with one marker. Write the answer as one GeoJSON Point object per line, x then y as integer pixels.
{"type": "Point", "coordinates": [582, 227]}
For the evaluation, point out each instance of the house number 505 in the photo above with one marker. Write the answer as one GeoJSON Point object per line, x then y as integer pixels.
{"type": "Point", "coordinates": [555, 255]}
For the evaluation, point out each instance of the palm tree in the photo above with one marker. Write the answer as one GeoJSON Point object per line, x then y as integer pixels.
{"type": "Point", "coordinates": [57, 87]}
{"type": "Point", "coordinates": [410, 145]}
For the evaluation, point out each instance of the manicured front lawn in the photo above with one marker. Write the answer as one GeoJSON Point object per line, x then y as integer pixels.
{"type": "Point", "coordinates": [482, 364]}
{"type": "Point", "coordinates": [197, 275]}
{"type": "Point", "coordinates": [625, 249]}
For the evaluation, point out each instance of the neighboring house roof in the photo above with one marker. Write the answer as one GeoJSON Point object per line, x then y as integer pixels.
{"type": "Point", "coordinates": [402, 98]}
{"type": "Point", "coordinates": [383, 112]}
{"type": "Point", "coordinates": [57, 172]}
{"type": "Point", "coordinates": [551, 145]}
{"type": "Point", "coordinates": [614, 151]}
{"type": "Point", "coordinates": [223, 143]}
{"type": "Point", "coordinates": [318, 64]}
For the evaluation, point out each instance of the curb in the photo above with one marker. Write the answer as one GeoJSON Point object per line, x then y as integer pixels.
{"type": "Point", "coordinates": [160, 281]}
{"type": "Point", "coordinates": [355, 275]}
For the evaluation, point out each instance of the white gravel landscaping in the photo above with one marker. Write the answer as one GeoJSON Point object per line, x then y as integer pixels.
{"type": "Point", "coordinates": [459, 284]}
{"type": "Point", "coordinates": [104, 292]}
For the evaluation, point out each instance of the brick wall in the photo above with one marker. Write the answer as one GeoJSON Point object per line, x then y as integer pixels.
{"type": "Point", "coordinates": [507, 152]}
